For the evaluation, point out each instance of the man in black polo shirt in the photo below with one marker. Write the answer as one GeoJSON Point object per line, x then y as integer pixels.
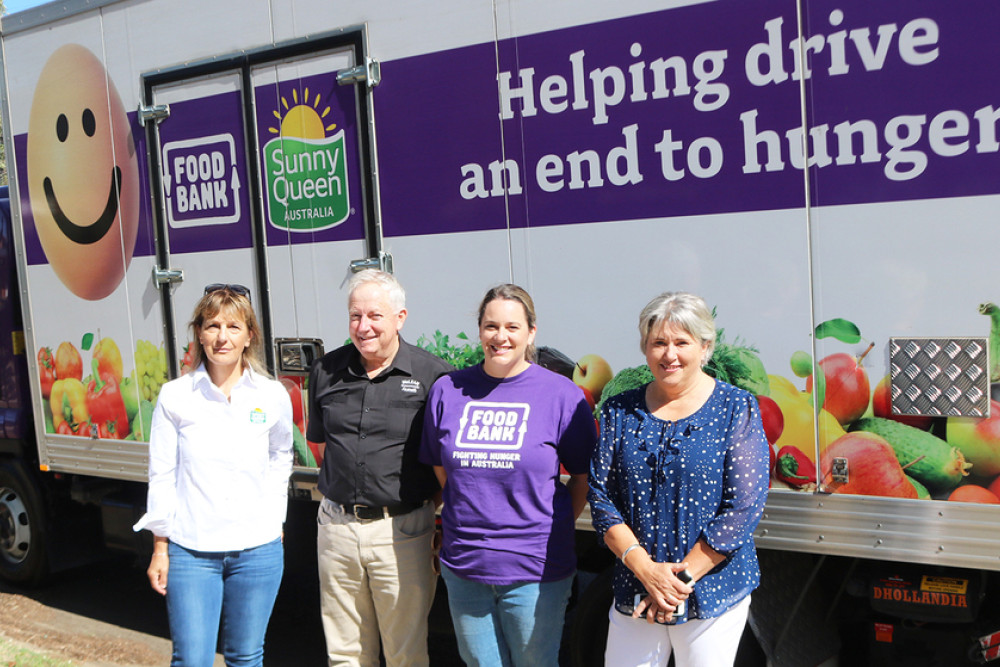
{"type": "Point", "coordinates": [376, 521]}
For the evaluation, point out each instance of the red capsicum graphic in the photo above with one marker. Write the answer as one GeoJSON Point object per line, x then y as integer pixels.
{"type": "Point", "coordinates": [794, 467]}
{"type": "Point", "coordinates": [106, 406]}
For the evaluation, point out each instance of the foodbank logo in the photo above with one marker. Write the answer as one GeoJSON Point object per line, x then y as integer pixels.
{"type": "Point", "coordinates": [306, 167]}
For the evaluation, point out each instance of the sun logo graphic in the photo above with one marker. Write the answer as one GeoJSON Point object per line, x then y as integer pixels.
{"type": "Point", "coordinates": [306, 166]}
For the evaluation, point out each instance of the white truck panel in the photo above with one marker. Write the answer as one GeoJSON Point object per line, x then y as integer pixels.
{"type": "Point", "coordinates": [895, 238]}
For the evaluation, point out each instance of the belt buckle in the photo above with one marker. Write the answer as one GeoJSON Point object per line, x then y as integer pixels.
{"type": "Point", "coordinates": [359, 508]}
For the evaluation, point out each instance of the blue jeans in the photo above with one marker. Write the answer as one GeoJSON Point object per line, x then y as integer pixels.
{"type": "Point", "coordinates": [514, 625]}
{"type": "Point", "coordinates": [237, 588]}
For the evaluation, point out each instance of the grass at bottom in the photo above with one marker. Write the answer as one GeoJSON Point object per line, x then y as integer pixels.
{"type": "Point", "coordinates": [12, 655]}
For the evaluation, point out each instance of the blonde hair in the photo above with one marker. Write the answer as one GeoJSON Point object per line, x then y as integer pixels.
{"type": "Point", "coordinates": [225, 299]}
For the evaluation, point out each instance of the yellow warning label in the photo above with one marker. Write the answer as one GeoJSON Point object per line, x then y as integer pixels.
{"type": "Point", "coordinates": [933, 584]}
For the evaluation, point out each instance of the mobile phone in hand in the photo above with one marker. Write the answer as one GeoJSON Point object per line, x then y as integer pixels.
{"type": "Point", "coordinates": [685, 577]}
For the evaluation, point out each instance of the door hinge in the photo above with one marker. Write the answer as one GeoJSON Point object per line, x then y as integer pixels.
{"type": "Point", "coordinates": [163, 277]}
{"type": "Point", "coordinates": [383, 263]}
{"type": "Point", "coordinates": [157, 113]}
{"type": "Point", "coordinates": [369, 72]}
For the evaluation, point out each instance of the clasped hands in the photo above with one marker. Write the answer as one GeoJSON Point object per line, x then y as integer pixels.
{"type": "Point", "coordinates": [664, 591]}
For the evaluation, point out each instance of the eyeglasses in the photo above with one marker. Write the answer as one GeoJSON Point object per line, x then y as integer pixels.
{"type": "Point", "coordinates": [235, 289]}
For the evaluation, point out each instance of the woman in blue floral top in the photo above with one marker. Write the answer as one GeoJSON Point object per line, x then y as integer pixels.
{"type": "Point", "coordinates": [677, 486]}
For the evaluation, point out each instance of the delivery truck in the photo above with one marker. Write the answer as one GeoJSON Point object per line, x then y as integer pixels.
{"type": "Point", "coordinates": [824, 173]}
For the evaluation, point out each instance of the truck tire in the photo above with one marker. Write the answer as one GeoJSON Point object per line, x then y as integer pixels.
{"type": "Point", "coordinates": [588, 633]}
{"type": "Point", "coordinates": [22, 527]}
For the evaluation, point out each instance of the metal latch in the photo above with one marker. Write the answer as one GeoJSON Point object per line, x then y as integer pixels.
{"type": "Point", "coordinates": [838, 471]}
{"type": "Point", "coordinates": [156, 112]}
{"type": "Point", "coordinates": [370, 72]}
{"type": "Point", "coordinates": [383, 263]}
{"type": "Point", "coordinates": [163, 277]}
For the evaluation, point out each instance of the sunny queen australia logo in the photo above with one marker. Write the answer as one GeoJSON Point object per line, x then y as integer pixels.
{"type": "Point", "coordinates": [306, 166]}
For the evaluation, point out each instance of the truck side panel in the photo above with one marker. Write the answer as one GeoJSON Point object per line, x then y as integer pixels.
{"type": "Point", "coordinates": [595, 155]}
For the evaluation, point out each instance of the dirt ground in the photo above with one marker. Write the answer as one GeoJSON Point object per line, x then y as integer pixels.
{"type": "Point", "coordinates": [64, 635]}
{"type": "Point", "coordinates": [106, 615]}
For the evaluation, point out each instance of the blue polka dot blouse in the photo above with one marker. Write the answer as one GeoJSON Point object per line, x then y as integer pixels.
{"type": "Point", "coordinates": [673, 482]}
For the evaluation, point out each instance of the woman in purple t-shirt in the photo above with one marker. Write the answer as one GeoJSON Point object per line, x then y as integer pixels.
{"type": "Point", "coordinates": [496, 435]}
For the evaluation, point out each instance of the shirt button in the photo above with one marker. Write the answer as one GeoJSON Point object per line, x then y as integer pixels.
{"type": "Point", "coordinates": [367, 409]}
{"type": "Point", "coordinates": [363, 436]}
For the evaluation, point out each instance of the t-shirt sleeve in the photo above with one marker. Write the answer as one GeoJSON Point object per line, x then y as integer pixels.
{"type": "Point", "coordinates": [430, 441]}
{"type": "Point", "coordinates": [314, 426]}
{"type": "Point", "coordinates": [580, 435]}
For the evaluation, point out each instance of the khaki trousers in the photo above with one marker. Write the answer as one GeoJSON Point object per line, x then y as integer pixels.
{"type": "Point", "coordinates": [376, 580]}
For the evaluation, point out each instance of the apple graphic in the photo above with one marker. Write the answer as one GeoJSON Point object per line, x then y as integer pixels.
{"type": "Point", "coordinates": [770, 414]}
{"type": "Point", "coordinates": [592, 372]}
{"type": "Point", "coordinates": [978, 439]}
{"type": "Point", "coordinates": [882, 407]}
{"type": "Point", "coordinates": [873, 469]}
{"type": "Point", "coordinates": [847, 388]}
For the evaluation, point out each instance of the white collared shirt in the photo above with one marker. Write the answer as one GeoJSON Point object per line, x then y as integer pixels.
{"type": "Point", "coordinates": [218, 469]}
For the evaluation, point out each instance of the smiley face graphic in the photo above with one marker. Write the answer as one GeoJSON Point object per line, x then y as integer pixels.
{"type": "Point", "coordinates": [83, 173]}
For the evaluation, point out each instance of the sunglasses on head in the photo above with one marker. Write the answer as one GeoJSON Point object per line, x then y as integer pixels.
{"type": "Point", "coordinates": [235, 289]}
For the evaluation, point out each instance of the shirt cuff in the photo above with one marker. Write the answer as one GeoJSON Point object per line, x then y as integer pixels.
{"type": "Point", "coordinates": [159, 526]}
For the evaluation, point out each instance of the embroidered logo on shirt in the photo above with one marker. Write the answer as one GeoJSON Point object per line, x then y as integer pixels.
{"type": "Point", "coordinates": [257, 416]}
{"type": "Point", "coordinates": [409, 385]}
{"type": "Point", "coordinates": [491, 425]}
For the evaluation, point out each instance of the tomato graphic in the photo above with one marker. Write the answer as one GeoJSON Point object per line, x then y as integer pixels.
{"type": "Point", "coordinates": [46, 370]}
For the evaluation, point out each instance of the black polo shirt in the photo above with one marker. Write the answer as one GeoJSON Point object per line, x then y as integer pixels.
{"type": "Point", "coordinates": [372, 426]}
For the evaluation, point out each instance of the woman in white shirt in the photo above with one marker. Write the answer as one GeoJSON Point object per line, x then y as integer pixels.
{"type": "Point", "coordinates": [220, 453]}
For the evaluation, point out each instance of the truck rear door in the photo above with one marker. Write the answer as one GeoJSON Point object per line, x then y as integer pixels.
{"type": "Point", "coordinates": [263, 172]}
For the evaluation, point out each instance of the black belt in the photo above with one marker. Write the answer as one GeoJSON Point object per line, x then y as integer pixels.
{"type": "Point", "coordinates": [368, 513]}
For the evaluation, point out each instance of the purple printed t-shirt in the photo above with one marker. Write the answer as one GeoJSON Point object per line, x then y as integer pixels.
{"type": "Point", "coordinates": [507, 517]}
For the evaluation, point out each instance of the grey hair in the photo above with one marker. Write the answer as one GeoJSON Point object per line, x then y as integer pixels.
{"type": "Point", "coordinates": [681, 309]}
{"type": "Point", "coordinates": [394, 291]}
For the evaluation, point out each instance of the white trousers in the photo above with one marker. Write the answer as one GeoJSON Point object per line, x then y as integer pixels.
{"type": "Point", "coordinates": [710, 642]}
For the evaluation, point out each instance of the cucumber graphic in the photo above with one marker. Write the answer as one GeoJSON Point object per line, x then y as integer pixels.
{"type": "Point", "coordinates": [927, 458]}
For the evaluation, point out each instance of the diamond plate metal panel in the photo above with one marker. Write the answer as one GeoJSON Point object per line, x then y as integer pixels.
{"type": "Point", "coordinates": [938, 377]}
